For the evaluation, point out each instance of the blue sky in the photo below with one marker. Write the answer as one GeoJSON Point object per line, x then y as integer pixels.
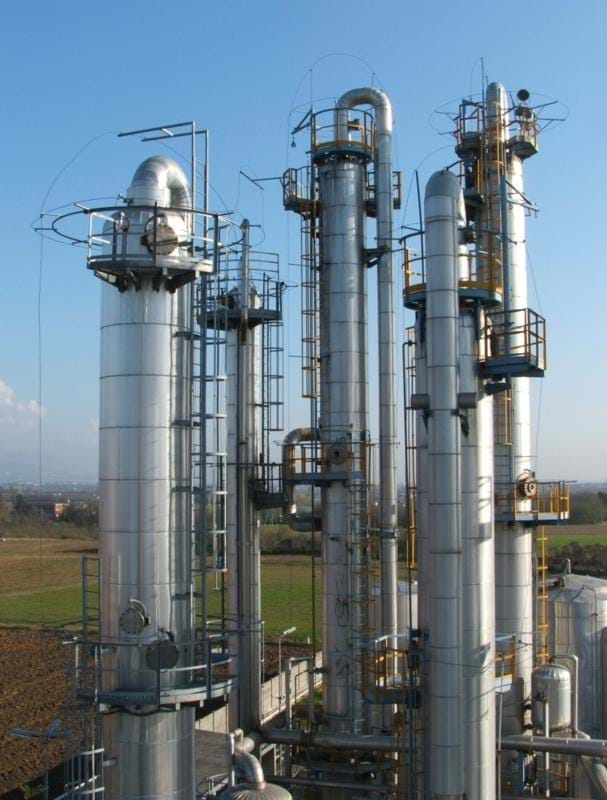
{"type": "Point", "coordinates": [76, 70]}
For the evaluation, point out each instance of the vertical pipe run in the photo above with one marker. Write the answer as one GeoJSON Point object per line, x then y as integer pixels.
{"type": "Point", "coordinates": [388, 526]}
{"type": "Point", "coordinates": [514, 541]}
{"type": "Point", "coordinates": [343, 428]}
{"type": "Point", "coordinates": [144, 528]}
{"type": "Point", "coordinates": [446, 753]}
{"type": "Point", "coordinates": [244, 428]}
{"type": "Point", "coordinates": [478, 572]}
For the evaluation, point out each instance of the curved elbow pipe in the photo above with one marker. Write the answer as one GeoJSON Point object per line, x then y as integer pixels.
{"type": "Point", "coordinates": [303, 523]}
{"type": "Point", "coordinates": [160, 180]}
{"type": "Point", "coordinates": [249, 769]}
{"type": "Point", "coordinates": [369, 96]}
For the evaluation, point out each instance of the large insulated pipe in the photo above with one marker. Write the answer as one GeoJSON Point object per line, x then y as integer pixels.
{"type": "Point", "coordinates": [144, 526]}
{"type": "Point", "coordinates": [343, 428]}
{"type": "Point", "coordinates": [388, 525]}
{"type": "Point", "coordinates": [478, 569]}
{"type": "Point", "coordinates": [478, 551]}
{"type": "Point", "coordinates": [593, 748]}
{"type": "Point", "coordinates": [514, 541]}
{"type": "Point", "coordinates": [242, 518]}
{"type": "Point", "coordinates": [446, 752]}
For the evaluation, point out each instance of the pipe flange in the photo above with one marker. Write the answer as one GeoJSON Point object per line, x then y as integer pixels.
{"type": "Point", "coordinates": [163, 654]}
{"type": "Point", "coordinates": [337, 453]}
{"type": "Point", "coordinates": [134, 618]}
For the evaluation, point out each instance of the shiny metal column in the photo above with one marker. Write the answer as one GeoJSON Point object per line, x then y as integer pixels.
{"type": "Point", "coordinates": [446, 752]}
{"type": "Point", "coordinates": [144, 537]}
{"type": "Point", "coordinates": [478, 571]}
{"type": "Point", "coordinates": [514, 542]}
{"type": "Point", "coordinates": [244, 429]}
{"type": "Point", "coordinates": [388, 528]}
{"type": "Point", "coordinates": [343, 424]}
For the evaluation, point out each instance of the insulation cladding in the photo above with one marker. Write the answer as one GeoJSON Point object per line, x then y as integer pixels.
{"type": "Point", "coordinates": [244, 446]}
{"type": "Point", "coordinates": [444, 455]}
{"type": "Point", "coordinates": [145, 514]}
{"type": "Point", "coordinates": [455, 522]}
{"type": "Point", "coordinates": [577, 615]}
{"type": "Point", "coordinates": [344, 424]}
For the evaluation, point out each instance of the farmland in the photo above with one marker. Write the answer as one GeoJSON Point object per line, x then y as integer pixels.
{"type": "Point", "coordinates": [40, 585]}
{"type": "Point", "coordinates": [40, 580]}
{"type": "Point", "coordinates": [561, 535]}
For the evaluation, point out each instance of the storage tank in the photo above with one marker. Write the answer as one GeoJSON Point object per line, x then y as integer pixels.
{"type": "Point", "coordinates": [577, 618]}
{"type": "Point", "coordinates": [552, 684]}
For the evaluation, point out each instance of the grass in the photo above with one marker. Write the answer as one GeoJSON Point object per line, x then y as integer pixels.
{"type": "Point", "coordinates": [40, 584]}
{"type": "Point", "coordinates": [562, 535]}
{"type": "Point", "coordinates": [54, 607]}
{"type": "Point", "coordinates": [28, 526]}
{"type": "Point", "coordinates": [40, 581]}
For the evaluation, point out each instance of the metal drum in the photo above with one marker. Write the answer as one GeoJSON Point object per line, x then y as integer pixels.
{"type": "Point", "coordinates": [551, 683]}
{"type": "Point", "coordinates": [577, 618]}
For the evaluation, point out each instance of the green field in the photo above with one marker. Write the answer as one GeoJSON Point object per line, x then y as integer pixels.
{"type": "Point", "coordinates": [40, 581]}
{"type": "Point", "coordinates": [562, 535]}
{"type": "Point", "coordinates": [41, 585]}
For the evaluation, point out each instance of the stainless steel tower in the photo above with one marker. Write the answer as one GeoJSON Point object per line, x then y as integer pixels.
{"type": "Point", "coordinates": [144, 506]}
{"type": "Point", "coordinates": [144, 661]}
{"type": "Point", "coordinates": [454, 473]}
{"type": "Point", "coordinates": [244, 449]}
{"type": "Point", "coordinates": [335, 197]}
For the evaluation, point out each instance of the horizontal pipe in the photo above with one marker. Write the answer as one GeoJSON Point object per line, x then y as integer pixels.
{"type": "Point", "coordinates": [596, 748]}
{"type": "Point", "coordinates": [282, 780]}
{"type": "Point", "coordinates": [331, 741]}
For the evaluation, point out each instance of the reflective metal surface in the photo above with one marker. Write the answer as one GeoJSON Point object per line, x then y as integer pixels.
{"type": "Point", "coordinates": [145, 509]}
{"type": "Point", "coordinates": [445, 564]}
{"type": "Point", "coordinates": [343, 420]}
{"type": "Point", "coordinates": [577, 614]}
{"type": "Point", "coordinates": [478, 572]}
{"type": "Point", "coordinates": [551, 685]}
{"type": "Point", "coordinates": [244, 447]}
{"type": "Point", "coordinates": [388, 530]}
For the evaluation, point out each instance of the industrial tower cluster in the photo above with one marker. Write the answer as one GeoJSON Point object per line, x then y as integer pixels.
{"type": "Point", "coordinates": [453, 666]}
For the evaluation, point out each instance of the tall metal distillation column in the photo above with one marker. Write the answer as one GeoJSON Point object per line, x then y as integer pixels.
{"type": "Point", "coordinates": [144, 539]}
{"type": "Point", "coordinates": [454, 503]}
{"type": "Point", "coordinates": [514, 584]}
{"type": "Point", "coordinates": [478, 628]}
{"type": "Point", "coordinates": [344, 421]}
{"type": "Point", "coordinates": [244, 447]}
{"type": "Point", "coordinates": [388, 526]}
{"type": "Point", "coordinates": [444, 456]}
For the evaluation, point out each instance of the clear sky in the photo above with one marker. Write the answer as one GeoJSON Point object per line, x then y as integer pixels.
{"type": "Point", "coordinates": [73, 70]}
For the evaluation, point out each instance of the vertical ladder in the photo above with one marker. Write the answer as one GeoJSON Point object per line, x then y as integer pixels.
{"type": "Point", "coordinates": [359, 547]}
{"type": "Point", "coordinates": [310, 269]}
{"type": "Point", "coordinates": [91, 597]}
{"type": "Point", "coordinates": [541, 555]}
{"type": "Point", "coordinates": [272, 366]}
{"type": "Point", "coordinates": [209, 443]}
{"type": "Point", "coordinates": [410, 446]}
